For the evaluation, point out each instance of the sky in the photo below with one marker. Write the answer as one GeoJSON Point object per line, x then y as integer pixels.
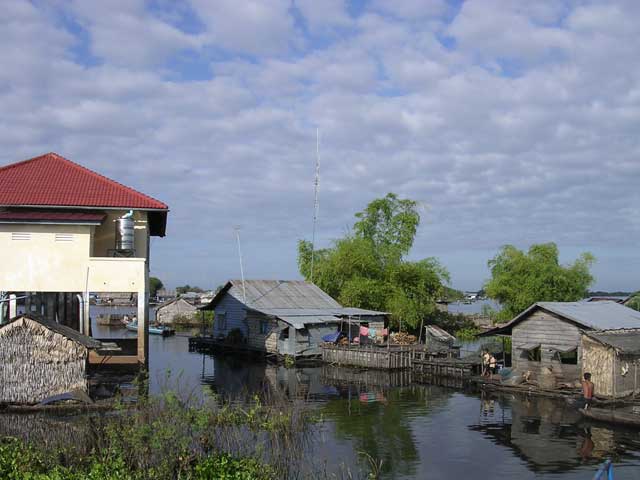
{"type": "Point", "coordinates": [511, 122]}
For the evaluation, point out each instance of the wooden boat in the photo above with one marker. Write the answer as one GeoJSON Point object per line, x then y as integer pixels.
{"type": "Point", "coordinates": [159, 330]}
{"type": "Point", "coordinates": [629, 416]}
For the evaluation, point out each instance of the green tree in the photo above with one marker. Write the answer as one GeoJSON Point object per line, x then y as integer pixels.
{"type": "Point", "coordinates": [519, 279]}
{"type": "Point", "coordinates": [155, 284]}
{"type": "Point", "coordinates": [188, 288]}
{"type": "Point", "coordinates": [634, 301]}
{"type": "Point", "coordinates": [367, 268]}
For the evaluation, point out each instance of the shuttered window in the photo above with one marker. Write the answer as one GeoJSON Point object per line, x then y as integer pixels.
{"type": "Point", "coordinates": [64, 237]}
{"type": "Point", "coordinates": [20, 236]}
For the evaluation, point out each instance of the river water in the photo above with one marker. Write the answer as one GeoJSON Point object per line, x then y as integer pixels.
{"type": "Point", "coordinates": [417, 431]}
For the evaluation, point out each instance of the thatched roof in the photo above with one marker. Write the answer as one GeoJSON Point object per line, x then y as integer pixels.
{"type": "Point", "coordinates": [63, 330]}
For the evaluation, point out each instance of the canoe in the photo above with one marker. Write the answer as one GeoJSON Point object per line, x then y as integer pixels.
{"type": "Point", "coordinates": [629, 416]}
{"type": "Point", "coordinates": [161, 330]}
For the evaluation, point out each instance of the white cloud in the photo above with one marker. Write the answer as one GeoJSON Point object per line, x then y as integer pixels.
{"type": "Point", "coordinates": [550, 153]}
{"type": "Point", "coordinates": [125, 33]}
{"type": "Point", "coordinates": [251, 26]}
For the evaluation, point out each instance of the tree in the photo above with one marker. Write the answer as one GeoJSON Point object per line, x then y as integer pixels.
{"type": "Point", "coordinates": [188, 288]}
{"type": "Point", "coordinates": [367, 268]}
{"type": "Point", "coordinates": [634, 301]}
{"type": "Point", "coordinates": [520, 279]}
{"type": "Point", "coordinates": [155, 284]}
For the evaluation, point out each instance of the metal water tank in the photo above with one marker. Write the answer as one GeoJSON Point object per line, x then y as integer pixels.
{"type": "Point", "coordinates": [124, 234]}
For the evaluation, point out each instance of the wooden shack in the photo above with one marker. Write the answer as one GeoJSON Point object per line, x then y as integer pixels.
{"type": "Point", "coordinates": [177, 310]}
{"type": "Point", "coordinates": [612, 357]}
{"type": "Point", "coordinates": [284, 317]}
{"type": "Point", "coordinates": [548, 334]}
{"type": "Point", "coordinates": [40, 359]}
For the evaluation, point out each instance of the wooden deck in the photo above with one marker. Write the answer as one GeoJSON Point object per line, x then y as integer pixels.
{"type": "Point", "coordinates": [376, 357]}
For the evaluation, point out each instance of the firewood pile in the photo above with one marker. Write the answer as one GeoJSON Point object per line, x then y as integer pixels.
{"type": "Point", "coordinates": [402, 338]}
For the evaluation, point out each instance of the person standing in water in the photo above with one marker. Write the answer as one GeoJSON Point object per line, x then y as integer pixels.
{"type": "Point", "coordinates": [587, 391]}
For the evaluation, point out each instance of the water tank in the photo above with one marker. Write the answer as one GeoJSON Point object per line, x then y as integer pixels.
{"type": "Point", "coordinates": [124, 234]}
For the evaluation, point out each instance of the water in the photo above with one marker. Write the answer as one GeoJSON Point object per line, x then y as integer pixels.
{"type": "Point", "coordinates": [417, 431]}
{"type": "Point", "coordinates": [473, 307]}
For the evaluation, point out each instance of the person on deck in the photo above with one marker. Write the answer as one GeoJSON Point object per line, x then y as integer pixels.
{"type": "Point", "coordinates": [485, 363]}
{"type": "Point", "coordinates": [587, 391]}
{"type": "Point", "coordinates": [493, 363]}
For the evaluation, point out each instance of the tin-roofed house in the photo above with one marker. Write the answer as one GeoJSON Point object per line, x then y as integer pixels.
{"type": "Point", "coordinates": [284, 317]}
{"type": "Point", "coordinates": [41, 359]}
{"type": "Point", "coordinates": [548, 334]}
{"type": "Point", "coordinates": [613, 359]}
{"type": "Point", "coordinates": [177, 311]}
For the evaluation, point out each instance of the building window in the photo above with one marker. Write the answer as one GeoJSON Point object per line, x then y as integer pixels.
{"type": "Point", "coordinates": [264, 327]}
{"type": "Point", "coordinates": [221, 320]}
{"type": "Point", "coordinates": [284, 335]}
{"type": "Point", "coordinates": [20, 236]}
{"type": "Point", "coordinates": [64, 237]}
{"type": "Point", "coordinates": [534, 355]}
{"type": "Point", "coordinates": [569, 358]}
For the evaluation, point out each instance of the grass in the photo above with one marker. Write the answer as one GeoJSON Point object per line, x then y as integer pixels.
{"type": "Point", "coordinates": [179, 436]}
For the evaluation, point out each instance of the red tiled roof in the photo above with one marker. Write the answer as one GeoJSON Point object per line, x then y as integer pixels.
{"type": "Point", "coordinates": [52, 180]}
{"type": "Point", "coordinates": [64, 216]}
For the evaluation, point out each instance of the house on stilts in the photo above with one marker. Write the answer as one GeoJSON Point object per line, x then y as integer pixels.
{"type": "Point", "coordinates": [557, 337]}
{"type": "Point", "coordinates": [283, 317]}
{"type": "Point", "coordinates": [68, 234]}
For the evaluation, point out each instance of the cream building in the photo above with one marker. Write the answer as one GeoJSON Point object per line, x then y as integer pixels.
{"type": "Point", "coordinates": [63, 237]}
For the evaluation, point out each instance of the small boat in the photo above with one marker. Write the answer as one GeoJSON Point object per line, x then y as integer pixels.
{"type": "Point", "coordinates": [153, 330]}
{"type": "Point", "coordinates": [629, 416]}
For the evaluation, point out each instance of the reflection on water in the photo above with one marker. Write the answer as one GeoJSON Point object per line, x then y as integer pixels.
{"type": "Point", "coordinates": [417, 431]}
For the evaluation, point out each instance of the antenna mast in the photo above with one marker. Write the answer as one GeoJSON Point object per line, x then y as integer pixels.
{"type": "Point", "coordinates": [244, 291]}
{"type": "Point", "coordinates": [316, 204]}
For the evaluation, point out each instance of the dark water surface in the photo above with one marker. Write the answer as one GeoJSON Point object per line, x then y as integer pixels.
{"type": "Point", "coordinates": [417, 431]}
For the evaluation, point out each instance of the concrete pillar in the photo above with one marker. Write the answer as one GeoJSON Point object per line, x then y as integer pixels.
{"type": "Point", "coordinates": [13, 306]}
{"type": "Point", "coordinates": [143, 327]}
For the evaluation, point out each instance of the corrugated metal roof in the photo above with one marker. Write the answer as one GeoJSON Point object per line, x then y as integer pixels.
{"type": "Point", "coordinates": [438, 333]}
{"type": "Point", "coordinates": [626, 341]}
{"type": "Point", "coordinates": [299, 323]}
{"type": "Point", "coordinates": [295, 302]}
{"type": "Point", "coordinates": [285, 294]}
{"type": "Point", "coordinates": [603, 315]}
{"type": "Point", "coordinates": [606, 315]}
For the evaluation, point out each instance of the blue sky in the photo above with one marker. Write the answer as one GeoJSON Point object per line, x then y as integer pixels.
{"type": "Point", "coordinates": [510, 121]}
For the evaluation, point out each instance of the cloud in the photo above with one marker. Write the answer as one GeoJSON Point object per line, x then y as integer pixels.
{"type": "Point", "coordinates": [252, 27]}
{"type": "Point", "coordinates": [521, 129]}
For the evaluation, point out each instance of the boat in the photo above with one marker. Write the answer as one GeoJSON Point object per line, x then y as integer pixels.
{"type": "Point", "coordinates": [629, 416]}
{"type": "Point", "coordinates": [153, 330]}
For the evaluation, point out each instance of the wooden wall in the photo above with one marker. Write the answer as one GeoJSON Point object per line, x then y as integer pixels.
{"type": "Point", "coordinates": [258, 341]}
{"type": "Point", "coordinates": [551, 332]}
{"type": "Point", "coordinates": [235, 313]}
{"type": "Point", "coordinates": [599, 361]}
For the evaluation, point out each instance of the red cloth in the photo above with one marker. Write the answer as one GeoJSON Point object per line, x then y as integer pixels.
{"type": "Point", "coordinates": [364, 331]}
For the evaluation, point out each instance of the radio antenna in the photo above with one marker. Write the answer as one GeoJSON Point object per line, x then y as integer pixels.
{"type": "Point", "coordinates": [244, 290]}
{"type": "Point", "coordinates": [316, 203]}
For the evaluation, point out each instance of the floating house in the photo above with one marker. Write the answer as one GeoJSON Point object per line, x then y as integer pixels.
{"type": "Point", "coordinates": [177, 310]}
{"type": "Point", "coordinates": [40, 359]}
{"type": "Point", "coordinates": [284, 317]}
{"type": "Point", "coordinates": [548, 334]}
{"type": "Point", "coordinates": [68, 234]}
{"type": "Point", "coordinates": [612, 357]}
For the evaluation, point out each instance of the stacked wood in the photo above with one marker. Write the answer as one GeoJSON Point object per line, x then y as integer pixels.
{"type": "Point", "coordinates": [402, 338]}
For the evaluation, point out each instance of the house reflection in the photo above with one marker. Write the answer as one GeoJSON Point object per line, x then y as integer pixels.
{"type": "Point", "coordinates": [550, 436]}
